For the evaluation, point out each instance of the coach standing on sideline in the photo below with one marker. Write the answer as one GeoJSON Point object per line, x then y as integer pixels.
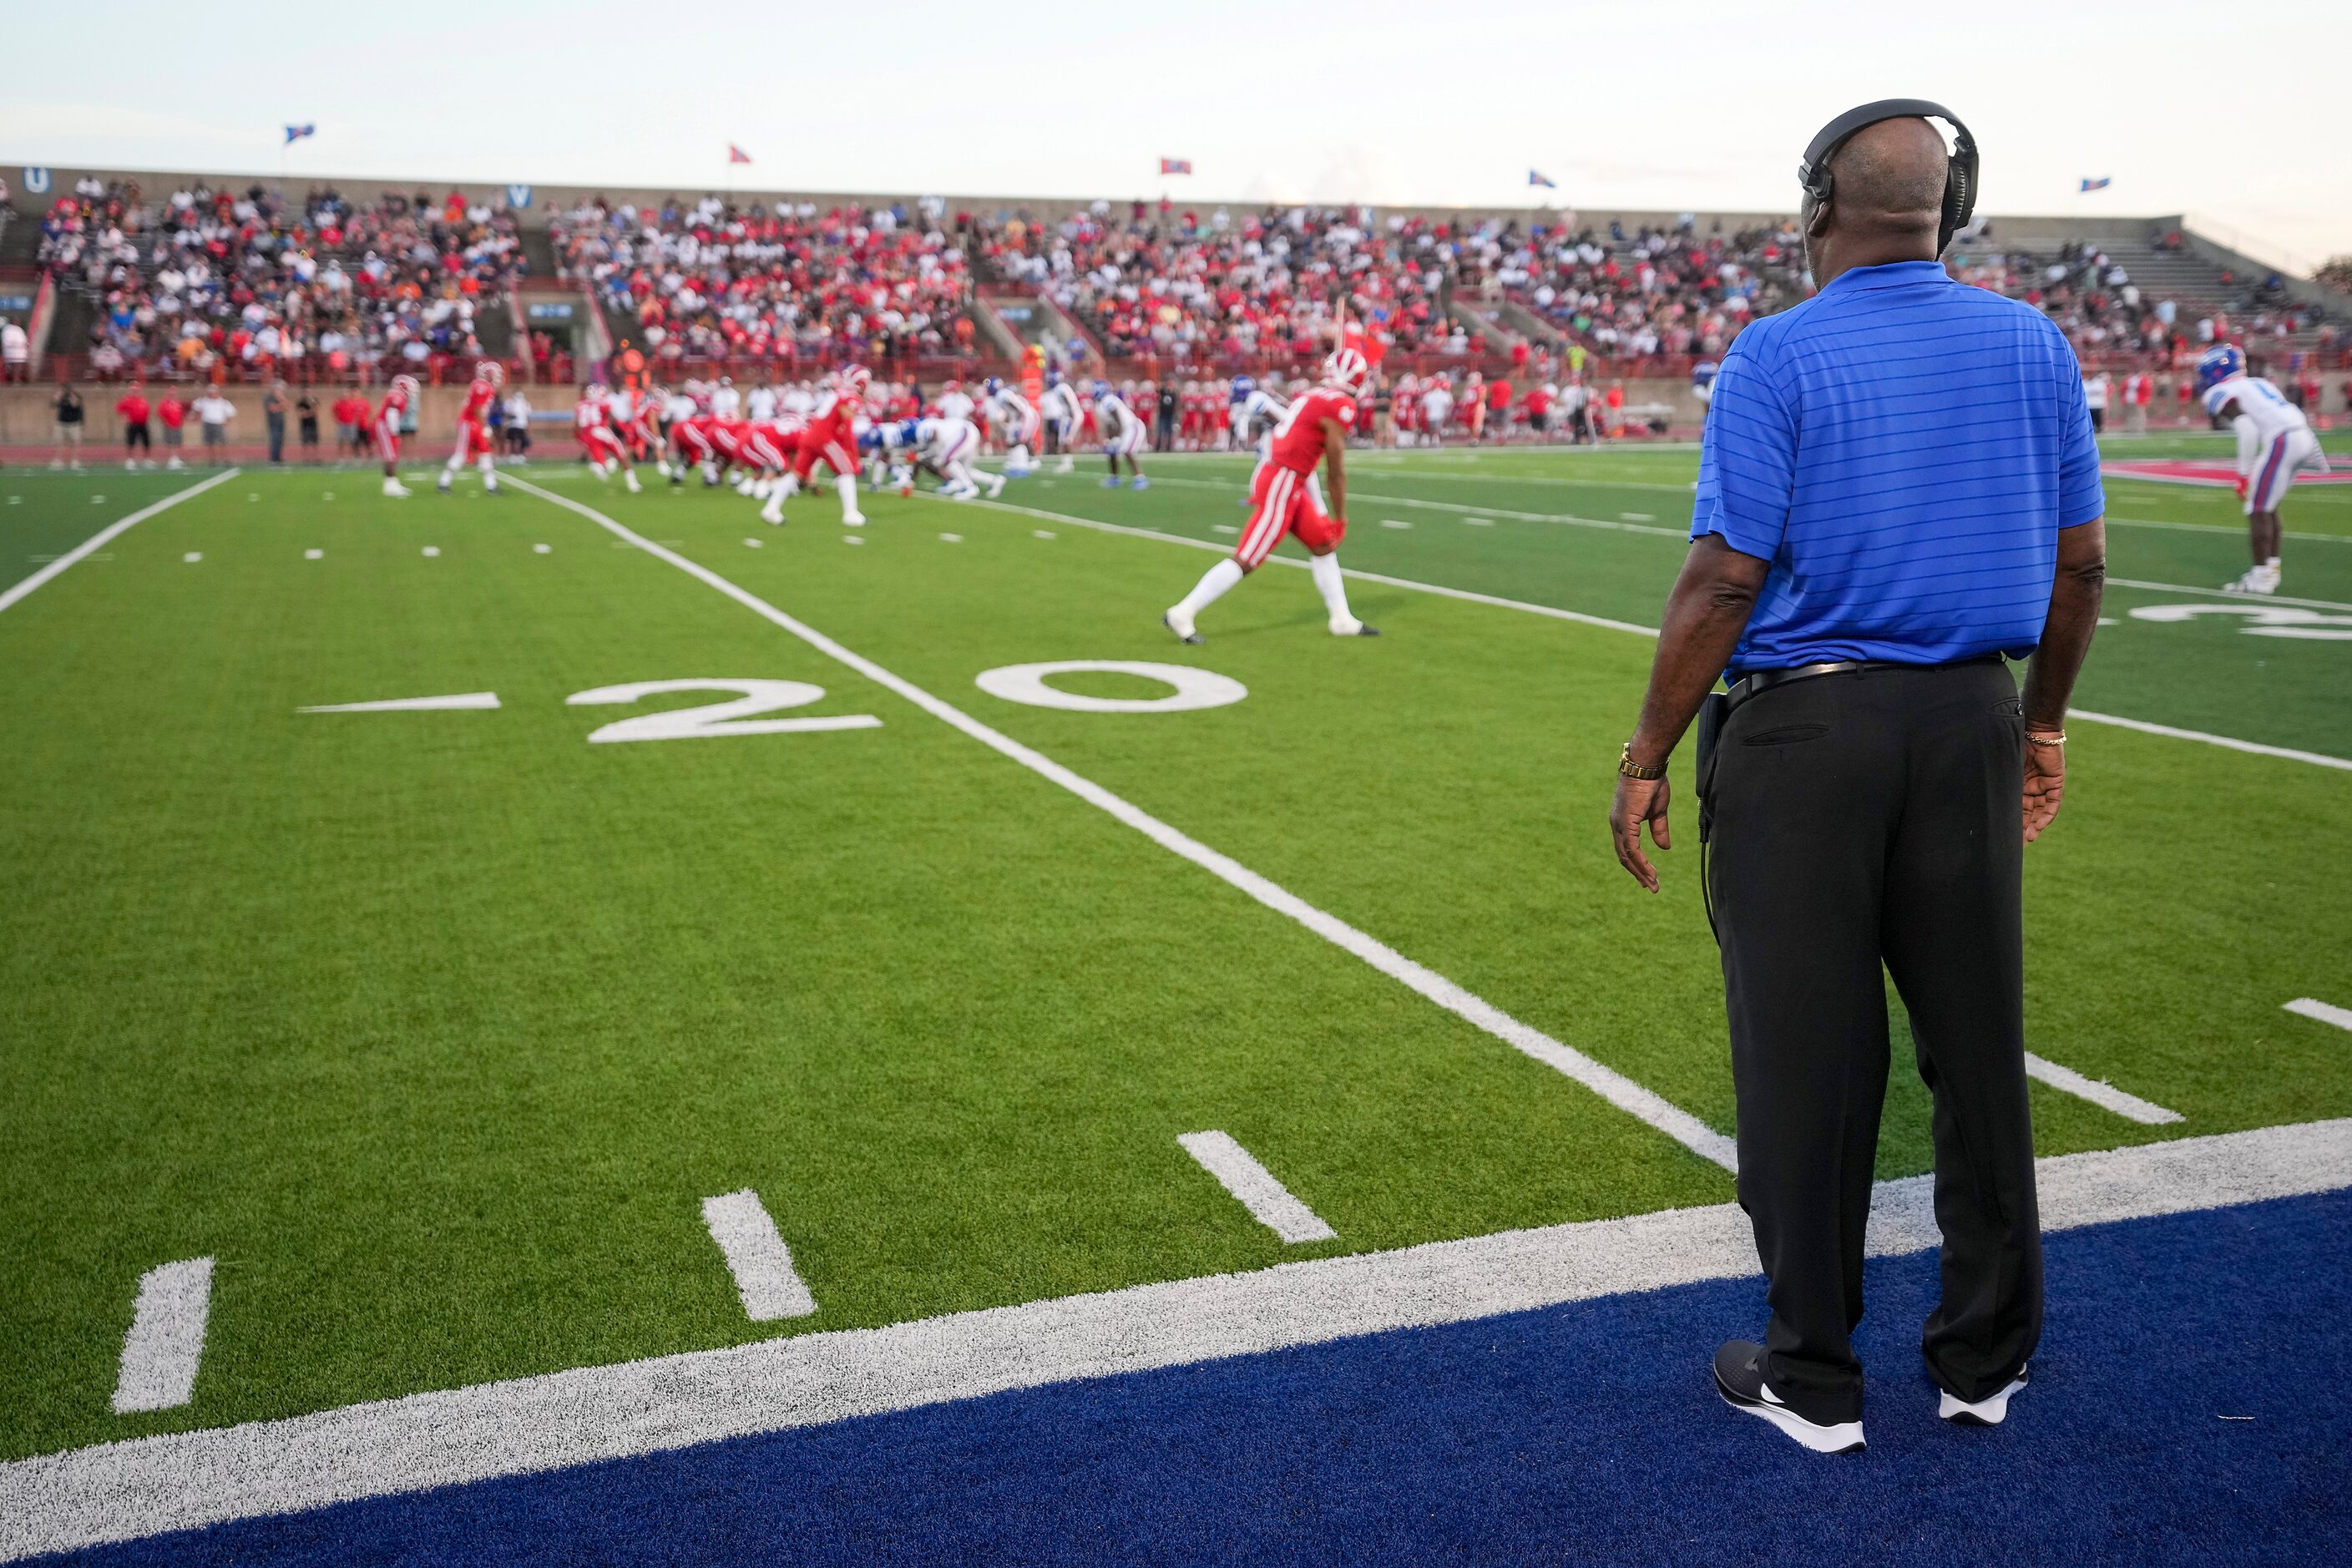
{"type": "Point", "coordinates": [1898, 486]}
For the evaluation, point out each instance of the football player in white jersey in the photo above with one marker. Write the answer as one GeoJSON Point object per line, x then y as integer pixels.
{"type": "Point", "coordinates": [1016, 422]}
{"type": "Point", "coordinates": [946, 446]}
{"type": "Point", "coordinates": [953, 402]}
{"type": "Point", "coordinates": [1123, 436]}
{"type": "Point", "coordinates": [1256, 412]}
{"type": "Point", "coordinates": [2274, 444]}
{"type": "Point", "coordinates": [1064, 414]}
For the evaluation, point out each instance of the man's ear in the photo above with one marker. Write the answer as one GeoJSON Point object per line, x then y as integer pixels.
{"type": "Point", "coordinates": [1816, 217]}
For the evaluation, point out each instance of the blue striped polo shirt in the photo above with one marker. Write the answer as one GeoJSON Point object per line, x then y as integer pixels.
{"type": "Point", "coordinates": [1904, 449]}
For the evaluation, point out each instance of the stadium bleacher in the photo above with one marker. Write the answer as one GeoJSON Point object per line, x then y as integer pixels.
{"type": "Point", "coordinates": [231, 276]}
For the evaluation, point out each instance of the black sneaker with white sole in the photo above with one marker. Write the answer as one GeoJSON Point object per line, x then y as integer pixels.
{"type": "Point", "coordinates": [1990, 1411]}
{"type": "Point", "coordinates": [1739, 1378]}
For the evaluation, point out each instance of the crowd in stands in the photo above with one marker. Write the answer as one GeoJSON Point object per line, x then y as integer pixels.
{"type": "Point", "coordinates": [249, 281]}
{"type": "Point", "coordinates": [2090, 293]}
{"type": "Point", "coordinates": [712, 281]}
{"type": "Point", "coordinates": [1229, 289]}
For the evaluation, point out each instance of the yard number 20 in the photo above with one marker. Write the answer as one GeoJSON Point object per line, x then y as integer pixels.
{"type": "Point", "coordinates": [732, 717]}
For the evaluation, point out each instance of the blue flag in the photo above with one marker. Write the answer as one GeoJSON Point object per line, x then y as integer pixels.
{"type": "Point", "coordinates": [2101, 184]}
{"type": "Point", "coordinates": [295, 132]}
{"type": "Point", "coordinates": [1534, 178]}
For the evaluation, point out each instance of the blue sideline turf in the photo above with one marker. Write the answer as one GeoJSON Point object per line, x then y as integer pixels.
{"type": "Point", "coordinates": [1589, 1433]}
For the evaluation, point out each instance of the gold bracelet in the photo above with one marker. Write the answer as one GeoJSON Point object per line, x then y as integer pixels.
{"type": "Point", "coordinates": [1628, 768]}
{"type": "Point", "coordinates": [2057, 739]}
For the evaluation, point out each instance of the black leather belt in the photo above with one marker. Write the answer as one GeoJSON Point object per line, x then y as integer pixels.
{"type": "Point", "coordinates": [1762, 681]}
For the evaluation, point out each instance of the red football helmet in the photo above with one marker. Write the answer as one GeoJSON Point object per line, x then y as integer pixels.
{"type": "Point", "coordinates": [1348, 371]}
{"type": "Point", "coordinates": [491, 370]}
{"type": "Point", "coordinates": [405, 386]}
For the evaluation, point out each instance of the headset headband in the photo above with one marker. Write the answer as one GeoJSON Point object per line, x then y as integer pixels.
{"type": "Point", "coordinates": [1959, 168]}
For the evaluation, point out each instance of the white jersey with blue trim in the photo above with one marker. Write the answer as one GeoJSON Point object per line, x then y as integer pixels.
{"type": "Point", "coordinates": [1113, 418]}
{"type": "Point", "coordinates": [1008, 410]}
{"type": "Point", "coordinates": [2259, 401]}
{"type": "Point", "coordinates": [942, 436]}
{"type": "Point", "coordinates": [1262, 410]}
{"type": "Point", "coordinates": [1062, 403]}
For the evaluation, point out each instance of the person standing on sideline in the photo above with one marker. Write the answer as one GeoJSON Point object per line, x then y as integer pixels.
{"type": "Point", "coordinates": [67, 406]}
{"type": "Point", "coordinates": [306, 424]}
{"type": "Point", "coordinates": [138, 439]}
{"type": "Point", "coordinates": [1898, 490]}
{"type": "Point", "coordinates": [172, 415]}
{"type": "Point", "coordinates": [274, 405]}
{"type": "Point", "coordinates": [214, 412]}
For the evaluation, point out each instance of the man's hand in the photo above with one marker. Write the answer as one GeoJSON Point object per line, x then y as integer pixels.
{"type": "Point", "coordinates": [1639, 801]}
{"type": "Point", "coordinates": [2045, 785]}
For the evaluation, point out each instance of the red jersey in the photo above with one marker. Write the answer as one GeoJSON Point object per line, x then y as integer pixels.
{"type": "Point", "coordinates": [395, 404]}
{"type": "Point", "coordinates": [834, 423]}
{"type": "Point", "coordinates": [1298, 439]}
{"type": "Point", "coordinates": [132, 408]}
{"type": "Point", "coordinates": [171, 411]}
{"type": "Point", "coordinates": [478, 398]}
{"type": "Point", "coordinates": [590, 413]}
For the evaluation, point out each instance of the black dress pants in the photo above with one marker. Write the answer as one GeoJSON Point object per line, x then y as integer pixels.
{"type": "Point", "coordinates": [1861, 819]}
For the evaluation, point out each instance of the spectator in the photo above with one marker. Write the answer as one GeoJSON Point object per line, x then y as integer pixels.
{"type": "Point", "coordinates": [131, 409]}
{"type": "Point", "coordinates": [517, 430]}
{"type": "Point", "coordinates": [306, 412]}
{"type": "Point", "coordinates": [172, 414]}
{"type": "Point", "coordinates": [214, 412]}
{"type": "Point", "coordinates": [68, 407]}
{"type": "Point", "coordinates": [15, 350]}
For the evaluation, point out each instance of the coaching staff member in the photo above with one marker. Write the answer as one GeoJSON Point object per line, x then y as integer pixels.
{"type": "Point", "coordinates": [1898, 487]}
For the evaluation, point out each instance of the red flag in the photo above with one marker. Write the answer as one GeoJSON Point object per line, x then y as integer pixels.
{"type": "Point", "coordinates": [736, 154]}
{"type": "Point", "coordinates": [1175, 165]}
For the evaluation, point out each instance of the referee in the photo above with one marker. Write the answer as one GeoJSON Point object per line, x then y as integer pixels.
{"type": "Point", "coordinates": [1899, 489]}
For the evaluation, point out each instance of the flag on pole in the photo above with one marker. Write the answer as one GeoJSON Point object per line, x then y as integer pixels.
{"type": "Point", "coordinates": [1546, 181]}
{"type": "Point", "coordinates": [736, 154]}
{"type": "Point", "coordinates": [1175, 165]}
{"type": "Point", "coordinates": [295, 132]}
{"type": "Point", "coordinates": [2101, 184]}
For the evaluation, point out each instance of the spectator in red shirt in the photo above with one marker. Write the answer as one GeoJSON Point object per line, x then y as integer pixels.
{"type": "Point", "coordinates": [173, 413]}
{"type": "Point", "coordinates": [131, 409]}
{"type": "Point", "coordinates": [1498, 407]}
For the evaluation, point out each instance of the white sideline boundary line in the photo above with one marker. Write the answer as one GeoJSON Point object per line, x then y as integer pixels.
{"type": "Point", "coordinates": [2316, 759]}
{"type": "Point", "coordinates": [121, 1491]}
{"type": "Point", "coordinates": [1257, 1189]}
{"type": "Point", "coordinates": [2321, 1012]}
{"type": "Point", "coordinates": [166, 1342]}
{"type": "Point", "coordinates": [1610, 1085]}
{"type": "Point", "coordinates": [2104, 1095]}
{"type": "Point", "coordinates": [771, 1289]}
{"type": "Point", "coordinates": [106, 535]}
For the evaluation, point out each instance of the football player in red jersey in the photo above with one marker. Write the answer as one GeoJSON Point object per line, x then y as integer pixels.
{"type": "Point", "coordinates": [1281, 499]}
{"type": "Point", "coordinates": [592, 419]}
{"type": "Point", "coordinates": [387, 430]}
{"type": "Point", "coordinates": [830, 437]}
{"type": "Point", "coordinates": [473, 428]}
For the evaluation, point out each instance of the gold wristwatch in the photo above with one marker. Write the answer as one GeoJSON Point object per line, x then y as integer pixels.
{"type": "Point", "coordinates": [1628, 768]}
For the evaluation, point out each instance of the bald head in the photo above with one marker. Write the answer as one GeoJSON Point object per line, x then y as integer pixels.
{"type": "Point", "coordinates": [1890, 179]}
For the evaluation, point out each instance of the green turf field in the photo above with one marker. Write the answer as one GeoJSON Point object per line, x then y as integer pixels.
{"type": "Point", "coordinates": [436, 1028]}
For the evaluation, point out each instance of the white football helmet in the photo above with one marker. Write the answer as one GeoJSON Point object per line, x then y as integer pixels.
{"type": "Point", "coordinates": [1348, 370]}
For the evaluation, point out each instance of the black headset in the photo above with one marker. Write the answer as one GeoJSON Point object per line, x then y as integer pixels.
{"type": "Point", "coordinates": [1960, 169]}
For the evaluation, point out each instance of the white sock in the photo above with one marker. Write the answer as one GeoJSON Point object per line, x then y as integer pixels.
{"type": "Point", "coordinates": [490, 473]}
{"type": "Point", "coordinates": [1213, 585]}
{"type": "Point", "coordinates": [847, 485]}
{"type": "Point", "coordinates": [1325, 569]}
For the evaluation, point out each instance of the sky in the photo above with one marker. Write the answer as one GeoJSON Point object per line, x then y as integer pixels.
{"type": "Point", "coordinates": [1701, 105]}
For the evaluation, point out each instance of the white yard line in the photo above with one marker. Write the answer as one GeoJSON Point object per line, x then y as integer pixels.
{"type": "Point", "coordinates": [2104, 1095]}
{"type": "Point", "coordinates": [2322, 1012]}
{"type": "Point", "coordinates": [106, 536]}
{"type": "Point", "coordinates": [120, 1491]}
{"type": "Point", "coordinates": [1268, 1201]}
{"type": "Point", "coordinates": [1440, 590]}
{"type": "Point", "coordinates": [756, 1255]}
{"type": "Point", "coordinates": [1607, 1082]}
{"type": "Point", "coordinates": [2316, 759]}
{"type": "Point", "coordinates": [464, 699]}
{"type": "Point", "coordinates": [1610, 525]}
{"type": "Point", "coordinates": [166, 1343]}
{"type": "Point", "coordinates": [2224, 595]}
{"type": "Point", "coordinates": [2255, 747]}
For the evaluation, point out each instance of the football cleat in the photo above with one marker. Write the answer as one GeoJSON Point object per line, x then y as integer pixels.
{"type": "Point", "coordinates": [1183, 630]}
{"type": "Point", "coordinates": [1352, 627]}
{"type": "Point", "coordinates": [1141, 483]}
{"type": "Point", "coordinates": [2261, 580]}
